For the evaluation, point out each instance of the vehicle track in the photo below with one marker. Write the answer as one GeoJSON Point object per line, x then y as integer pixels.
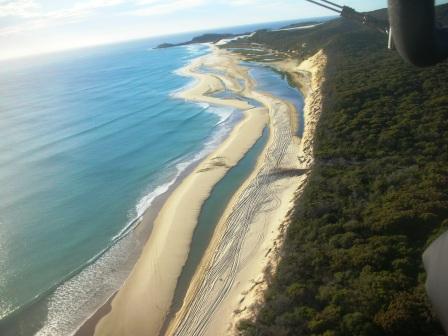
{"type": "Point", "coordinates": [257, 197]}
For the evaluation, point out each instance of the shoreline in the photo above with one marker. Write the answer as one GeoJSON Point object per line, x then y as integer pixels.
{"type": "Point", "coordinates": [155, 273]}
{"type": "Point", "coordinates": [112, 318]}
{"type": "Point", "coordinates": [212, 312]}
{"type": "Point", "coordinates": [211, 212]}
{"type": "Point", "coordinates": [308, 76]}
{"type": "Point", "coordinates": [87, 328]}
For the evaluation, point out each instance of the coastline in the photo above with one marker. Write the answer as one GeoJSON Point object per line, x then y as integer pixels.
{"type": "Point", "coordinates": [309, 77]}
{"type": "Point", "coordinates": [87, 328]}
{"type": "Point", "coordinates": [133, 309]}
{"type": "Point", "coordinates": [159, 266]}
{"type": "Point", "coordinates": [217, 311]}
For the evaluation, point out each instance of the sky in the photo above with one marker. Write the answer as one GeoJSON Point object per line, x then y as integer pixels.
{"type": "Point", "coordinates": [38, 26]}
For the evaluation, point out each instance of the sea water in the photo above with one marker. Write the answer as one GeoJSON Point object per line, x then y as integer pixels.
{"type": "Point", "coordinates": [88, 140]}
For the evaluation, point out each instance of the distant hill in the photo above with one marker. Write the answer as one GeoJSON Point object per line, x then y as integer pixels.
{"type": "Point", "coordinates": [301, 24]}
{"type": "Point", "coordinates": [309, 41]}
{"type": "Point", "coordinates": [205, 38]}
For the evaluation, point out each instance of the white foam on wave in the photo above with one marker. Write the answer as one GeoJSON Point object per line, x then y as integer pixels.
{"type": "Point", "coordinates": [73, 302]}
{"type": "Point", "coordinates": [223, 113]}
{"type": "Point", "coordinates": [5, 307]}
{"type": "Point", "coordinates": [194, 49]}
{"type": "Point", "coordinates": [70, 304]}
{"type": "Point", "coordinates": [176, 93]}
{"type": "Point", "coordinates": [146, 201]}
{"type": "Point", "coordinates": [224, 127]}
{"type": "Point", "coordinates": [191, 83]}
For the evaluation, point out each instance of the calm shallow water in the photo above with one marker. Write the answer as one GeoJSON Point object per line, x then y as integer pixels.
{"type": "Point", "coordinates": [277, 84]}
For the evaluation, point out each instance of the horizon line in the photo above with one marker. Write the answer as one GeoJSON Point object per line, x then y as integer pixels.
{"type": "Point", "coordinates": [133, 39]}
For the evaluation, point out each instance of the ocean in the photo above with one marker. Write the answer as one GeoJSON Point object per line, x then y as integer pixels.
{"type": "Point", "coordinates": [90, 140]}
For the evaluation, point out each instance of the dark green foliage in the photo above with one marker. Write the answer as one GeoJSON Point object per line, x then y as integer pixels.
{"type": "Point", "coordinates": [205, 38]}
{"type": "Point", "coordinates": [301, 24]}
{"type": "Point", "coordinates": [376, 198]}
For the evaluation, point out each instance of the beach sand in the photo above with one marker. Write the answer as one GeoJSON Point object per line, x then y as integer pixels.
{"type": "Point", "coordinates": [245, 248]}
{"type": "Point", "coordinates": [229, 283]}
{"type": "Point", "coordinates": [309, 77]}
{"type": "Point", "coordinates": [140, 306]}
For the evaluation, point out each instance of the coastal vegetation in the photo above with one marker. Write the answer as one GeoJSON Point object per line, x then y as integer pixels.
{"type": "Point", "coordinates": [205, 38]}
{"type": "Point", "coordinates": [351, 262]}
{"type": "Point", "coordinates": [301, 24]}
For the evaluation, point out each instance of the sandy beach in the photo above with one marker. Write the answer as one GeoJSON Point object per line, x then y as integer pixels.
{"type": "Point", "coordinates": [230, 280]}
{"type": "Point", "coordinates": [140, 306]}
{"type": "Point", "coordinates": [309, 77]}
{"type": "Point", "coordinates": [229, 284]}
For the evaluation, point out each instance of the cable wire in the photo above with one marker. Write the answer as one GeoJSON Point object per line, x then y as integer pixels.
{"type": "Point", "coordinates": [332, 3]}
{"type": "Point", "coordinates": [325, 6]}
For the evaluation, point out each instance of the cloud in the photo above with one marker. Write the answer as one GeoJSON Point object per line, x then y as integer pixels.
{"type": "Point", "coordinates": [159, 7]}
{"type": "Point", "coordinates": [31, 9]}
{"type": "Point", "coordinates": [275, 4]}
{"type": "Point", "coordinates": [33, 17]}
{"type": "Point", "coordinates": [37, 19]}
{"type": "Point", "coordinates": [95, 4]}
{"type": "Point", "coordinates": [19, 8]}
{"type": "Point", "coordinates": [243, 2]}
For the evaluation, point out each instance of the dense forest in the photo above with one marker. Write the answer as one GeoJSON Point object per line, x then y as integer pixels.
{"type": "Point", "coordinates": [377, 196]}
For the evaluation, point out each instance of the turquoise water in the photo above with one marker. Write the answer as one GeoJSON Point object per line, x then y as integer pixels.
{"type": "Point", "coordinates": [81, 156]}
{"type": "Point", "coordinates": [90, 140]}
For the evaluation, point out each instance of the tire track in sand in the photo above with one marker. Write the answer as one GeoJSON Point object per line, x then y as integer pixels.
{"type": "Point", "coordinates": [257, 197]}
